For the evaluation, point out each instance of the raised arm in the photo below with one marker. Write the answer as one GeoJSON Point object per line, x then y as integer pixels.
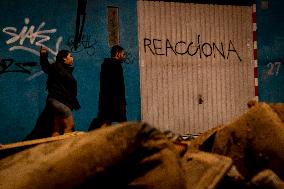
{"type": "Point", "coordinates": [44, 59]}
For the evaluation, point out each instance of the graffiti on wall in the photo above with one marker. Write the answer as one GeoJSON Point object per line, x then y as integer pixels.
{"type": "Point", "coordinates": [129, 58]}
{"type": "Point", "coordinates": [272, 69]}
{"type": "Point", "coordinates": [164, 47]}
{"type": "Point", "coordinates": [85, 44]}
{"type": "Point", "coordinates": [31, 36]}
{"type": "Point", "coordinates": [6, 65]}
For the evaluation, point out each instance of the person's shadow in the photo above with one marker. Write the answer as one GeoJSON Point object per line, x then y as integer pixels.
{"type": "Point", "coordinates": [43, 127]}
{"type": "Point", "coordinates": [95, 123]}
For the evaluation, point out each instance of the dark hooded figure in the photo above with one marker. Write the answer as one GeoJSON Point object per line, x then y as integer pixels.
{"type": "Point", "coordinates": [57, 116]}
{"type": "Point", "coordinates": [112, 103]}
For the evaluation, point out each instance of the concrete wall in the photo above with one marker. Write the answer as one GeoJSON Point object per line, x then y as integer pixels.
{"type": "Point", "coordinates": [52, 23]}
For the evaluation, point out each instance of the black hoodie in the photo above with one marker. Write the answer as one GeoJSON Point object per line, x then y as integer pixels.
{"type": "Point", "coordinates": [61, 84]}
{"type": "Point", "coordinates": [112, 91]}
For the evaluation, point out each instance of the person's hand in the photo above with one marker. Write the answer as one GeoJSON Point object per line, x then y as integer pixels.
{"type": "Point", "coordinates": [43, 50]}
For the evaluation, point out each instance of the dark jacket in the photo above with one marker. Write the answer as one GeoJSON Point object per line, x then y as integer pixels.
{"type": "Point", "coordinates": [112, 103]}
{"type": "Point", "coordinates": [61, 84]}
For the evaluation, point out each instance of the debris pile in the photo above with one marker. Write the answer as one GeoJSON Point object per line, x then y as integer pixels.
{"type": "Point", "coordinates": [255, 144]}
{"type": "Point", "coordinates": [248, 153]}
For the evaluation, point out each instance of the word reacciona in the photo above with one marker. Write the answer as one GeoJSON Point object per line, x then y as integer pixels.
{"type": "Point", "coordinates": [160, 47]}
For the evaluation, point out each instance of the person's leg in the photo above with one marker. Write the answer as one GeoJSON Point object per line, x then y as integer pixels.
{"type": "Point", "coordinates": [106, 123]}
{"type": "Point", "coordinates": [68, 123]}
{"type": "Point", "coordinates": [63, 119]}
{"type": "Point", "coordinates": [56, 126]}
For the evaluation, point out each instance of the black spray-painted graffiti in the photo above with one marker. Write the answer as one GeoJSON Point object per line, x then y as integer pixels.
{"type": "Point", "coordinates": [81, 13]}
{"type": "Point", "coordinates": [160, 47]}
{"type": "Point", "coordinates": [84, 45]}
{"type": "Point", "coordinates": [24, 67]}
{"type": "Point", "coordinates": [129, 58]}
{"type": "Point", "coordinates": [36, 35]}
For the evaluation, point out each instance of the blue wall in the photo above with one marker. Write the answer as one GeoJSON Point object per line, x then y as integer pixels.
{"type": "Point", "coordinates": [270, 40]}
{"type": "Point", "coordinates": [22, 84]}
{"type": "Point", "coordinates": [23, 94]}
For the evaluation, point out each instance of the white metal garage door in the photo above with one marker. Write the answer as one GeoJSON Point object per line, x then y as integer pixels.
{"type": "Point", "coordinates": [196, 64]}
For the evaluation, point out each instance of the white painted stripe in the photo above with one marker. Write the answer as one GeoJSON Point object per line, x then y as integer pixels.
{"type": "Point", "coordinates": [254, 27]}
{"type": "Point", "coordinates": [256, 82]}
{"type": "Point", "coordinates": [255, 45]}
{"type": "Point", "coordinates": [255, 64]}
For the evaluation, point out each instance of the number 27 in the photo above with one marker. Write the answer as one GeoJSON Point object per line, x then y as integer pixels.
{"type": "Point", "coordinates": [273, 68]}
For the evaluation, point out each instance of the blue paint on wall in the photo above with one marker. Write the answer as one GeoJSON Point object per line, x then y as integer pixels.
{"type": "Point", "coordinates": [22, 95]}
{"type": "Point", "coordinates": [270, 41]}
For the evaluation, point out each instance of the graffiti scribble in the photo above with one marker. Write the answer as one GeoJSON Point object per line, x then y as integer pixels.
{"type": "Point", "coordinates": [25, 67]}
{"type": "Point", "coordinates": [129, 58]}
{"type": "Point", "coordinates": [85, 44]}
{"type": "Point", "coordinates": [37, 36]}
